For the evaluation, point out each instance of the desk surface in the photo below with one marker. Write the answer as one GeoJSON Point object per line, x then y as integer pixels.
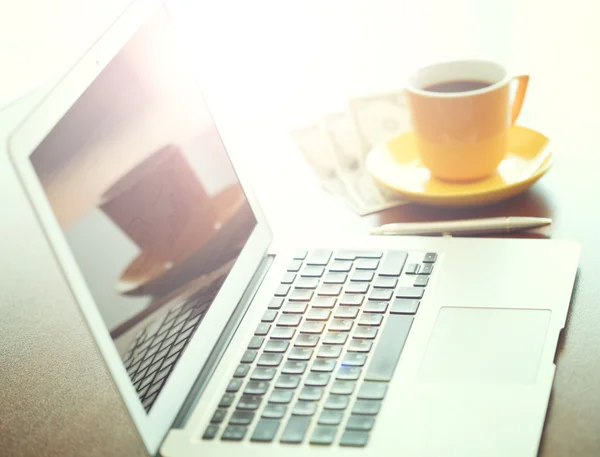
{"type": "Point", "coordinates": [57, 398]}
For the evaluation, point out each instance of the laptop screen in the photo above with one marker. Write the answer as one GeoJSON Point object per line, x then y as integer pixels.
{"type": "Point", "coordinates": [144, 191]}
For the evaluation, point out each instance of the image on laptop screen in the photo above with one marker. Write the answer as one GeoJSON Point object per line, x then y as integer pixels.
{"type": "Point", "coordinates": [144, 191]}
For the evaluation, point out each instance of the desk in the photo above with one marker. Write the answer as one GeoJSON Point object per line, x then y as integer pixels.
{"type": "Point", "coordinates": [57, 398]}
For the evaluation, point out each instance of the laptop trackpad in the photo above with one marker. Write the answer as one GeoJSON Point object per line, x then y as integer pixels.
{"type": "Point", "coordinates": [486, 345]}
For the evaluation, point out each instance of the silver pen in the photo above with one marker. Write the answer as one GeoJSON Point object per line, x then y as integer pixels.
{"type": "Point", "coordinates": [492, 225]}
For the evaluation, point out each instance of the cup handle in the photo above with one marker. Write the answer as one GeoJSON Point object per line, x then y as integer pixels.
{"type": "Point", "coordinates": [517, 104]}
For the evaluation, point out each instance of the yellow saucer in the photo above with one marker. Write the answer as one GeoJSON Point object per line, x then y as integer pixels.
{"type": "Point", "coordinates": [396, 164]}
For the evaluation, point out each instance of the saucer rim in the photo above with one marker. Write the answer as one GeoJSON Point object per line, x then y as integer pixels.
{"type": "Point", "coordinates": [475, 198]}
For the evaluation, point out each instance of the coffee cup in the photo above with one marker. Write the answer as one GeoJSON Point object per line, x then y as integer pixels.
{"type": "Point", "coordinates": [161, 205]}
{"type": "Point", "coordinates": [460, 113]}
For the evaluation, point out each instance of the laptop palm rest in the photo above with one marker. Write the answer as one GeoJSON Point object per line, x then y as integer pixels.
{"type": "Point", "coordinates": [485, 345]}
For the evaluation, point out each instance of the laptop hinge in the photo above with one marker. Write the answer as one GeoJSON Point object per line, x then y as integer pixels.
{"type": "Point", "coordinates": [222, 343]}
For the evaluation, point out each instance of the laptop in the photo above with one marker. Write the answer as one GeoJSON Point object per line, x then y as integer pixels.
{"type": "Point", "coordinates": [221, 343]}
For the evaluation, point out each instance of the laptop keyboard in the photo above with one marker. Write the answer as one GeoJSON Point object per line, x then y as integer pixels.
{"type": "Point", "coordinates": [325, 349]}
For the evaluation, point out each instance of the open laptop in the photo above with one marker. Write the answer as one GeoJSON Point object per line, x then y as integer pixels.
{"type": "Point", "coordinates": [221, 345]}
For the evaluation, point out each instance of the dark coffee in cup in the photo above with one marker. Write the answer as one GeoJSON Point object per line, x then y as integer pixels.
{"type": "Point", "coordinates": [465, 85]}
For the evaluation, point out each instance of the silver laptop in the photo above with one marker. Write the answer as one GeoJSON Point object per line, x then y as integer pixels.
{"type": "Point", "coordinates": [221, 345]}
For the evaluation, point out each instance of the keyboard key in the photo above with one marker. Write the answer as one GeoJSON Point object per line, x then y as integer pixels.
{"type": "Point", "coordinates": [256, 342]}
{"type": "Point", "coordinates": [289, 320]}
{"type": "Point", "coordinates": [317, 379]}
{"type": "Point", "coordinates": [365, 333]}
{"type": "Point", "coordinates": [275, 303]}
{"type": "Point", "coordinates": [234, 385]}
{"type": "Point", "coordinates": [295, 429]}
{"type": "Point", "coordinates": [218, 416]}
{"type": "Point", "coordinates": [249, 402]}
{"type": "Point", "coordinates": [381, 294]}
{"type": "Point", "coordinates": [421, 281]}
{"type": "Point", "coordinates": [293, 367]}
{"type": "Point", "coordinates": [287, 381]}
{"type": "Point", "coordinates": [335, 278]}
{"type": "Point", "coordinates": [311, 393]}
{"type": "Point", "coordinates": [262, 329]}
{"type": "Point", "coordinates": [281, 396]}
{"type": "Point", "coordinates": [318, 314]}
{"type": "Point", "coordinates": [329, 351]}
{"type": "Point", "coordinates": [288, 278]}
{"type": "Point", "coordinates": [370, 390]}
{"type": "Point", "coordinates": [366, 264]}
{"type": "Point", "coordinates": [404, 306]}
{"type": "Point", "coordinates": [226, 400]}
{"type": "Point", "coordinates": [331, 417]}
{"type": "Point", "coordinates": [341, 325]}
{"type": "Point", "coordinates": [409, 292]}
{"type": "Point", "coordinates": [362, 276]}
{"type": "Point", "coordinates": [263, 373]}
{"type": "Point", "coordinates": [371, 320]}
{"type": "Point", "coordinates": [241, 417]}
{"type": "Point", "coordinates": [376, 307]}
{"type": "Point", "coordinates": [357, 288]}
{"type": "Point", "coordinates": [294, 265]}
{"type": "Point", "coordinates": [241, 371]}
{"type": "Point", "coordinates": [318, 257]}
{"type": "Point", "coordinates": [385, 282]}
{"type": "Point", "coordinates": [234, 433]}
{"type": "Point", "coordinates": [269, 316]}
{"type": "Point", "coordinates": [324, 365]}
{"type": "Point", "coordinates": [362, 423]}
{"type": "Point", "coordinates": [304, 408]}
{"type": "Point", "coordinates": [346, 312]}
{"type": "Point", "coordinates": [249, 356]}
{"type": "Point", "coordinates": [352, 299]}
{"type": "Point", "coordinates": [300, 254]}
{"type": "Point", "coordinates": [366, 407]}
{"type": "Point", "coordinates": [312, 272]}
{"type": "Point", "coordinates": [392, 264]}
{"type": "Point", "coordinates": [210, 432]}
{"type": "Point", "coordinates": [307, 283]}
{"type": "Point", "coordinates": [354, 438]}
{"type": "Point", "coordinates": [322, 301]}
{"type": "Point", "coordinates": [276, 346]}
{"type": "Point", "coordinates": [341, 266]}
{"type": "Point", "coordinates": [256, 388]}
{"type": "Point", "coordinates": [352, 255]}
{"type": "Point", "coordinates": [360, 345]}
{"type": "Point", "coordinates": [342, 387]}
{"type": "Point", "coordinates": [430, 257]}
{"type": "Point", "coordinates": [283, 333]}
{"type": "Point", "coordinates": [426, 269]}
{"type": "Point", "coordinates": [295, 308]}
{"type": "Point", "coordinates": [274, 411]}
{"type": "Point", "coordinates": [282, 290]}
{"type": "Point", "coordinates": [411, 269]}
{"type": "Point", "coordinates": [354, 359]}
{"type": "Point", "coordinates": [323, 434]}
{"type": "Point", "coordinates": [335, 338]}
{"type": "Point", "coordinates": [300, 354]}
{"type": "Point", "coordinates": [301, 295]}
{"type": "Point", "coordinates": [265, 430]}
{"type": "Point", "coordinates": [339, 402]}
{"type": "Point", "coordinates": [348, 373]}
{"type": "Point", "coordinates": [312, 327]}
{"type": "Point", "coordinates": [269, 360]}
{"type": "Point", "coordinates": [389, 347]}
{"type": "Point", "coordinates": [331, 290]}
{"type": "Point", "coordinates": [307, 340]}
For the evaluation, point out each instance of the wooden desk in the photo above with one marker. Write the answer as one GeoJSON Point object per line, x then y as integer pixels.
{"type": "Point", "coordinates": [56, 397]}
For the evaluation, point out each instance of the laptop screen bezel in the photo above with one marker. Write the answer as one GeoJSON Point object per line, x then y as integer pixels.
{"type": "Point", "coordinates": [154, 425]}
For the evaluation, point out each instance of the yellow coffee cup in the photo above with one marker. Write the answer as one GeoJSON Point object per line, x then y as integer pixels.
{"type": "Point", "coordinates": [460, 113]}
